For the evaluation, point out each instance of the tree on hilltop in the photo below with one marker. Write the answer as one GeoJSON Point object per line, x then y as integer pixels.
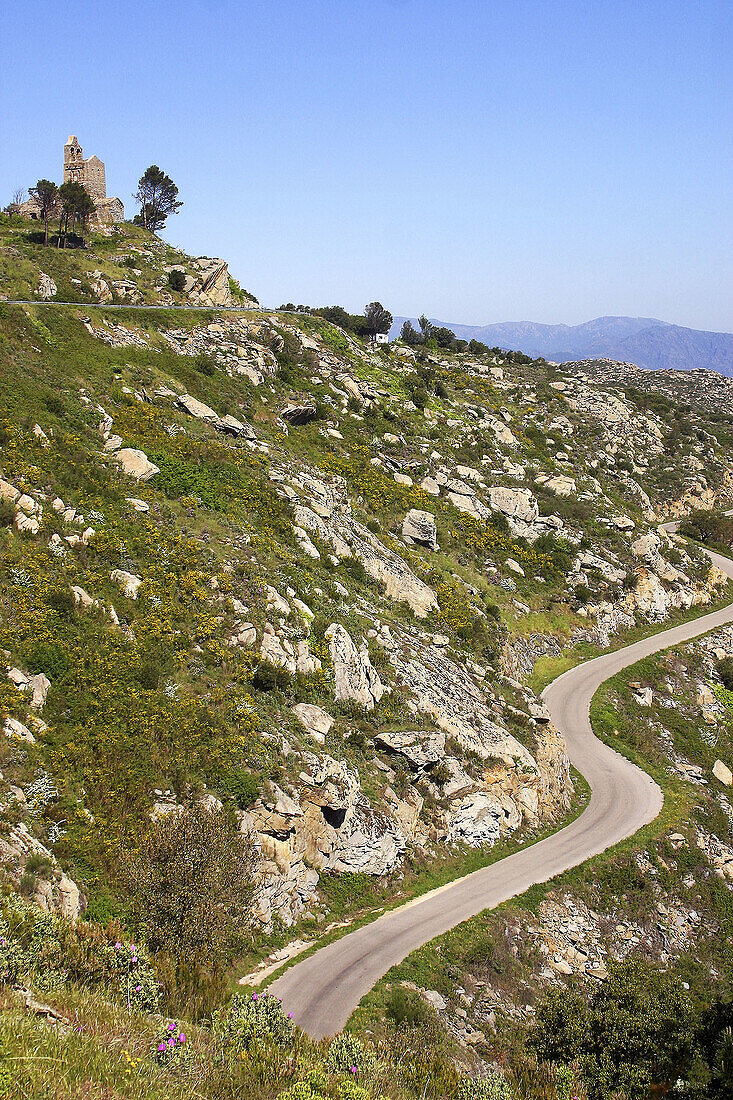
{"type": "Point", "coordinates": [158, 198]}
{"type": "Point", "coordinates": [378, 319]}
{"type": "Point", "coordinates": [76, 204]}
{"type": "Point", "coordinates": [409, 334]}
{"type": "Point", "coordinates": [46, 194]}
{"type": "Point", "coordinates": [426, 328]}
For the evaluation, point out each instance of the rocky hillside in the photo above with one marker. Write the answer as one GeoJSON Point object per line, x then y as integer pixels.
{"type": "Point", "coordinates": [248, 560]}
{"type": "Point", "coordinates": [245, 554]}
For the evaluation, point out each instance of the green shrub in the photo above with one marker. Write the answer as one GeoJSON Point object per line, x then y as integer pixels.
{"type": "Point", "coordinates": [406, 1008]}
{"type": "Point", "coordinates": [7, 513]}
{"type": "Point", "coordinates": [724, 669]}
{"type": "Point", "coordinates": [493, 1087]}
{"type": "Point", "coordinates": [347, 1054]}
{"type": "Point", "coordinates": [176, 281]}
{"type": "Point", "coordinates": [267, 677]}
{"type": "Point", "coordinates": [39, 865]}
{"type": "Point", "coordinates": [60, 599]}
{"type": "Point", "coordinates": [634, 1038]}
{"type": "Point", "coordinates": [251, 1020]}
{"type": "Point", "coordinates": [242, 787]}
{"type": "Point", "coordinates": [205, 364]}
{"type": "Point", "coordinates": [51, 658]}
{"type": "Point", "coordinates": [53, 951]}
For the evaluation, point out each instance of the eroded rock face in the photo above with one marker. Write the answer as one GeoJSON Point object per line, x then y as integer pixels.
{"type": "Point", "coordinates": [212, 286]}
{"type": "Point", "coordinates": [476, 820]}
{"type": "Point", "coordinates": [330, 826]}
{"type": "Point", "coordinates": [281, 651]}
{"type": "Point", "coordinates": [238, 346]}
{"type": "Point", "coordinates": [323, 508]}
{"type": "Point", "coordinates": [46, 286]}
{"type": "Point", "coordinates": [419, 748]}
{"type": "Point", "coordinates": [448, 694]}
{"type": "Point", "coordinates": [654, 601]}
{"type": "Point", "coordinates": [420, 527]}
{"type": "Point", "coordinates": [518, 505]}
{"type": "Point", "coordinates": [355, 676]}
{"type": "Point", "coordinates": [55, 892]}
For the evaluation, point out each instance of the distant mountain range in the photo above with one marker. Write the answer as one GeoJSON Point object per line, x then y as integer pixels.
{"type": "Point", "coordinates": [645, 341]}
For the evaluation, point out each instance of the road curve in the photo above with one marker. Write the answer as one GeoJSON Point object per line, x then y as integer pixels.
{"type": "Point", "coordinates": [324, 989]}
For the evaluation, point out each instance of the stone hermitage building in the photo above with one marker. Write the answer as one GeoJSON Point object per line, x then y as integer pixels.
{"type": "Point", "coordinates": [91, 174]}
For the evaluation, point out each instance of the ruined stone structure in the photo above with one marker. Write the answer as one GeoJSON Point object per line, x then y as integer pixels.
{"type": "Point", "coordinates": [90, 172]}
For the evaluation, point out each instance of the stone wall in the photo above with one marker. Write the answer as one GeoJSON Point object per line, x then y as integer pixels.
{"type": "Point", "coordinates": [94, 178]}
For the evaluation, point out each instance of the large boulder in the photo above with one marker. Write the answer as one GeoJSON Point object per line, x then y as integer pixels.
{"type": "Point", "coordinates": [128, 583]}
{"type": "Point", "coordinates": [646, 546]}
{"type": "Point", "coordinates": [314, 719]}
{"type": "Point", "coordinates": [420, 527]}
{"type": "Point", "coordinates": [355, 676]}
{"type": "Point", "coordinates": [46, 286]}
{"type": "Point", "coordinates": [298, 415]}
{"type": "Point", "coordinates": [723, 773]}
{"type": "Point", "coordinates": [8, 491]}
{"type": "Point", "coordinates": [36, 686]}
{"type": "Point", "coordinates": [518, 505]}
{"type": "Point", "coordinates": [196, 408]}
{"type": "Point", "coordinates": [502, 432]}
{"type": "Point", "coordinates": [135, 464]}
{"type": "Point", "coordinates": [561, 485]}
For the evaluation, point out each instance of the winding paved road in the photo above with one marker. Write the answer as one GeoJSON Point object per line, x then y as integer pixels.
{"type": "Point", "coordinates": [324, 989]}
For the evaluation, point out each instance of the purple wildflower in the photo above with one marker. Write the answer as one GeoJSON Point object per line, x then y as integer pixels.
{"type": "Point", "coordinates": [161, 1047]}
{"type": "Point", "coordinates": [171, 1027]}
{"type": "Point", "coordinates": [181, 1038]}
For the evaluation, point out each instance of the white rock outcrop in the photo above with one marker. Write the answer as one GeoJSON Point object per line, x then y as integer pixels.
{"type": "Point", "coordinates": [355, 677]}
{"type": "Point", "coordinates": [127, 583]}
{"type": "Point", "coordinates": [135, 464]}
{"type": "Point", "coordinates": [420, 527]}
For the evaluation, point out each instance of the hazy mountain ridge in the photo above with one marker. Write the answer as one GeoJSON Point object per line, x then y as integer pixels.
{"type": "Point", "coordinates": [646, 341]}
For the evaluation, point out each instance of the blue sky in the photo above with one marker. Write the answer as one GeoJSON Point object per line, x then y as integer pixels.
{"type": "Point", "coordinates": [478, 160]}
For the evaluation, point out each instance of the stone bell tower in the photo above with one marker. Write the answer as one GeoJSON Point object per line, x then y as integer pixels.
{"type": "Point", "coordinates": [73, 161]}
{"type": "Point", "coordinates": [89, 172]}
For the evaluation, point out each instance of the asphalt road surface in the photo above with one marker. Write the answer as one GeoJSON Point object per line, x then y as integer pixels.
{"type": "Point", "coordinates": [324, 989]}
